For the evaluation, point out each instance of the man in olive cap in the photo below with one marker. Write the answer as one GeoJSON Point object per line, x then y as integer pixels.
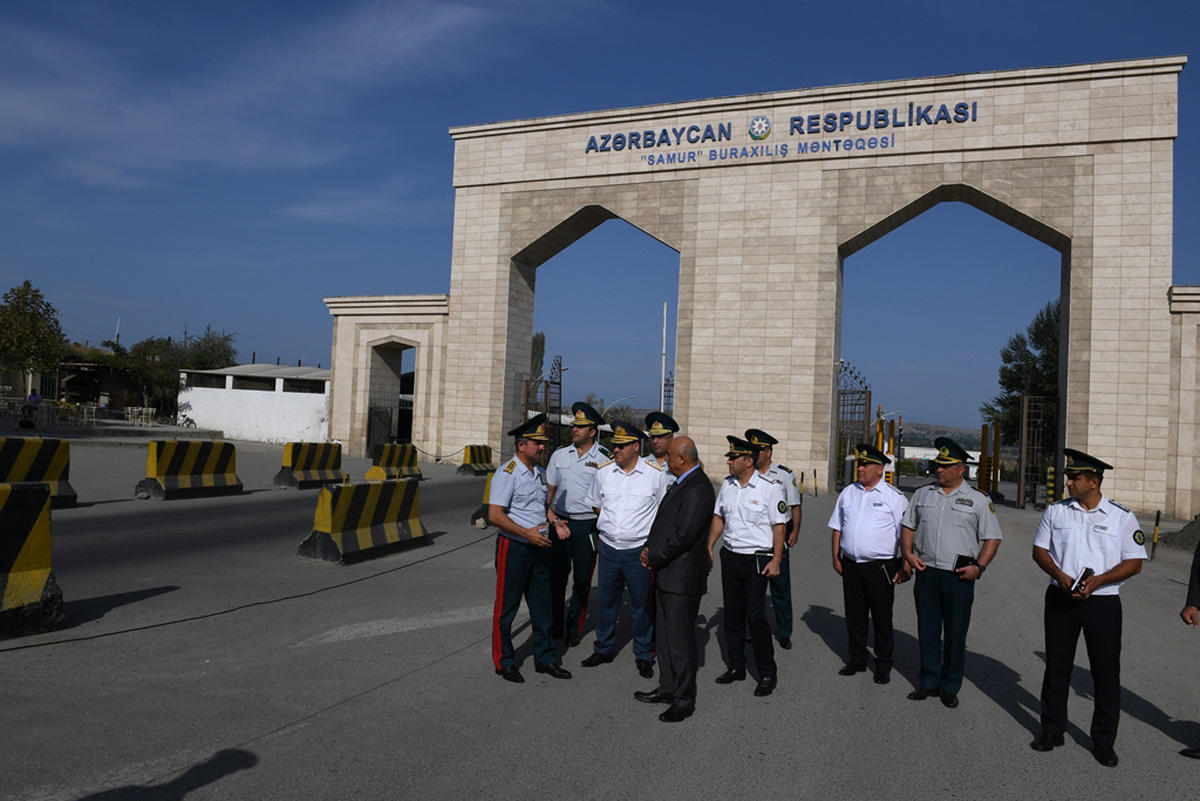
{"type": "Point", "coordinates": [570, 473]}
{"type": "Point", "coordinates": [661, 429]}
{"type": "Point", "coordinates": [866, 537]}
{"type": "Point", "coordinates": [948, 535]}
{"type": "Point", "coordinates": [780, 587]}
{"type": "Point", "coordinates": [1088, 545]}
{"type": "Point", "coordinates": [517, 507]}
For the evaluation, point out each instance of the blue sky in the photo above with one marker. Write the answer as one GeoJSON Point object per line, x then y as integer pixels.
{"type": "Point", "coordinates": [231, 163]}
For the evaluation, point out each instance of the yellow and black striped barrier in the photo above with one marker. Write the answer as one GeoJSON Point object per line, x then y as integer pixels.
{"type": "Point", "coordinates": [394, 461]}
{"type": "Point", "coordinates": [46, 461]}
{"type": "Point", "coordinates": [479, 519]}
{"type": "Point", "coordinates": [1051, 485]}
{"type": "Point", "coordinates": [32, 600]}
{"type": "Point", "coordinates": [189, 469]}
{"type": "Point", "coordinates": [352, 520]}
{"type": "Point", "coordinates": [477, 460]}
{"type": "Point", "coordinates": [310, 464]}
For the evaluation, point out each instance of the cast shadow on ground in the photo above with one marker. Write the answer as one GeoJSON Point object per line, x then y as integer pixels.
{"type": "Point", "coordinates": [1184, 732]}
{"type": "Point", "coordinates": [996, 680]}
{"type": "Point", "coordinates": [85, 610]}
{"type": "Point", "coordinates": [217, 767]}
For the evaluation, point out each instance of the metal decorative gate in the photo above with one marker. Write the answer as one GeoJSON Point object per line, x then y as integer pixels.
{"type": "Point", "coordinates": [853, 413]}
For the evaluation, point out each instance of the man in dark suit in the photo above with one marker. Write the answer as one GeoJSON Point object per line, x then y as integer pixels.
{"type": "Point", "coordinates": [1191, 616]}
{"type": "Point", "coordinates": [676, 551]}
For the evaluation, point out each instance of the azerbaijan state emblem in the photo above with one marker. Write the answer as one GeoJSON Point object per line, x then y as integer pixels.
{"type": "Point", "coordinates": [760, 127]}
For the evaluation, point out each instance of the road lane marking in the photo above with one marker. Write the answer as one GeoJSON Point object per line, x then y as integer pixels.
{"type": "Point", "coordinates": [399, 625]}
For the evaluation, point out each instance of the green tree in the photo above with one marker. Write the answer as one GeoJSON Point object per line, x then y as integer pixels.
{"type": "Point", "coordinates": [31, 339]}
{"type": "Point", "coordinates": [212, 350]}
{"type": "Point", "coordinates": [1029, 366]}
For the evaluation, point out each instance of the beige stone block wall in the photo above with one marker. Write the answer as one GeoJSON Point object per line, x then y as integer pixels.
{"type": "Point", "coordinates": [1183, 441]}
{"type": "Point", "coordinates": [361, 323]}
{"type": "Point", "coordinates": [1079, 157]}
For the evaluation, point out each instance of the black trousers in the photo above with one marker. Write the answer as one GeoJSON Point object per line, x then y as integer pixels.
{"type": "Point", "coordinates": [745, 598]}
{"type": "Point", "coordinates": [1099, 618]}
{"type": "Point", "coordinates": [866, 590]}
{"type": "Point", "coordinates": [675, 644]}
{"type": "Point", "coordinates": [572, 559]}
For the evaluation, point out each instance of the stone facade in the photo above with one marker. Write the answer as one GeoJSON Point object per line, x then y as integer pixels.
{"type": "Point", "coordinates": [363, 323]}
{"type": "Point", "coordinates": [1079, 157]}
{"type": "Point", "coordinates": [1183, 451]}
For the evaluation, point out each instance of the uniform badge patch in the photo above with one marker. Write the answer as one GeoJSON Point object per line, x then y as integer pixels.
{"type": "Point", "coordinates": [991, 507]}
{"type": "Point", "coordinates": [1139, 537]}
{"type": "Point", "coordinates": [782, 507]}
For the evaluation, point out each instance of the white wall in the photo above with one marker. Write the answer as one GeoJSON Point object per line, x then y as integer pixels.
{"type": "Point", "coordinates": [258, 416]}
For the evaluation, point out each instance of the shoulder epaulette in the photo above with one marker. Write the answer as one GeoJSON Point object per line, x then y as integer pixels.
{"type": "Point", "coordinates": [1120, 506]}
{"type": "Point", "coordinates": [602, 465]}
{"type": "Point", "coordinates": [607, 453]}
{"type": "Point", "coordinates": [1068, 499]}
{"type": "Point", "coordinates": [508, 468]}
{"type": "Point", "coordinates": [784, 468]}
{"type": "Point", "coordinates": [650, 460]}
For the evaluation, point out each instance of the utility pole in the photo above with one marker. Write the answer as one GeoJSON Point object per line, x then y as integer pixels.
{"type": "Point", "coordinates": [662, 380]}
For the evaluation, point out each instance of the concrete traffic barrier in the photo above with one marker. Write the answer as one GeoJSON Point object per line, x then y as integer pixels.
{"type": "Point", "coordinates": [189, 469]}
{"type": "Point", "coordinates": [310, 464]}
{"type": "Point", "coordinates": [354, 519]}
{"type": "Point", "coordinates": [31, 599]}
{"type": "Point", "coordinates": [46, 461]}
{"type": "Point", "coordinates": [477, 460]}
{"type": "Point", "coordinates": [479, 519]}
{"type": "Point", "coordinates": [394, 461]}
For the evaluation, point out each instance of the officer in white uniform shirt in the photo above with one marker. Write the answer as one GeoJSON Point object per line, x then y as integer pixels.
{"type": "Point", "coordinates": [750, 514]}
{"type": "Point", "coordinates": [1088, 545]}
{"type": "Point", "coordinates": [626, 494]}
{"type": "Point", "coordinates": [780, 587]}
{"type": "Point", "coordinates": [866, 540]}
{"type": "Point", "coordinates": [569, 474]}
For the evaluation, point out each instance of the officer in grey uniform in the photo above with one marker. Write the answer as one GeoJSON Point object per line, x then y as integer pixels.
{"type": "Point", "coordinates": [1088, 545]}
{"type": "Point", "coordinates": [780, 586]}
{"type": "Point", "coordinates": [948, 535]}
{"type": "Point", "coordinates": [570, 474]}
{"type": "Point", "coordinates": [517, 507]}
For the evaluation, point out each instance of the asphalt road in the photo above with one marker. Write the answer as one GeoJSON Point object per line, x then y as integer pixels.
{"type": "Point", "coordinates": [204, 659]}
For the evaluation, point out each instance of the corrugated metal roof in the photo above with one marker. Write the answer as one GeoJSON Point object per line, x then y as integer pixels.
{"type": "Point", "coordinates": [269, 371]}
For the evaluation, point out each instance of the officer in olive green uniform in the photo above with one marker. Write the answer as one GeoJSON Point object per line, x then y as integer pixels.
{"type": "Point", "coordinates": [948, 535]}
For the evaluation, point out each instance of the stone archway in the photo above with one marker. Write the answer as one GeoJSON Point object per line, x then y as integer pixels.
{"type": "Point", "coordinates": [764, 195]}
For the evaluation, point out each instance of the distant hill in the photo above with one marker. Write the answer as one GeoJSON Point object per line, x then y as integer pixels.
{"type": "Point", "coordinates": [922, 435]}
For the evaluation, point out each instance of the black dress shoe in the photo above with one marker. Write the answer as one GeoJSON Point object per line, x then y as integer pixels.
{"type": "Point", "coordinates": [1047, 741]}
{"type": "Point", "coordinates": [921, 693]}
{"type": "Point", "coordinates": [676, 713]}
{"type": "Point", "coordinates": [730, 676]}
{"type": "Point", "coordinates": [765, 687]}
{"type": "Point", "coordinates": [554, 671]}
{"type": "Point", "coordinates": [597, 658]}
{"type": "Point", "coordinates": [850, 670]}
{"type": "Point", "coordinates": [645, 668]}
{"type": "Point", "coordinates": [883, 676]}
{"type": "Point", "coordinates": [1194, 753]}
{"type": "Point", "coordinates": [510, 674]}
{"type": "Point", "coordinates": [949, 700]}
{"type": "Point", "coordinates": [1105, 755]}
{"type": "Point", "coordinates": [785, 643]}
{"type": "Point", "coordinates": [654, 697]}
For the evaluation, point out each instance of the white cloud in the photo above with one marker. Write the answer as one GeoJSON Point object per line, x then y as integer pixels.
{"type": "Point", "coordinates": [108, 124]}
{"type": "Point", "coordinates": [361, 207]}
